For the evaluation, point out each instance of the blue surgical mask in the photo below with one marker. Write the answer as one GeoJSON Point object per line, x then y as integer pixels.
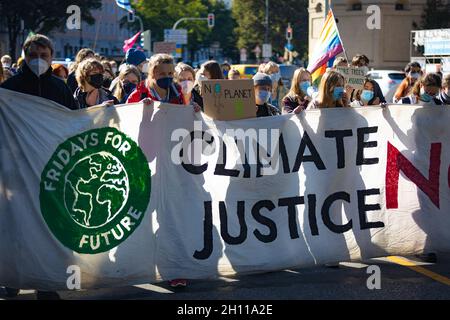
{"type": "Point", "coordinates": [425, 96]}
{"type": "Point", "coordinates": [164, 83]}
{"type": "Point", "coordinates": [338, 93]}
{"type": "Point", "coordinates": [367, 95]}
{"type": "Point", "coordinates": [275, 77]}
{"type": "Point", "coordinates": [264, 95]}
{"type": "Point", "coordinates": [304, 85]}
{"type": "Point", "coordinates": [414, 75]}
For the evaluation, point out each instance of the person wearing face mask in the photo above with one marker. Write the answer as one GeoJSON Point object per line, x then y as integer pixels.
{"type": "Point", "coordinates": [263, 91]}
{"type": "Point", "coordinates": [424, 91]}
{"type": "Point", "coordinates": [135, 58]}
{"type": "Point", "coordinates": [35, 76]}
{"type": "Point", "coordinates": [278, 89]}
{"type": "Point", "coordinates": [366, 96]}
{"type": "Point", "coordinates": [185, 75]}
{"type": "Point", "coordinates": [159, 85]}
{"type": "Point", "coordinates": [444, 95]}
{"type": "Point", "coordinates": [6, 62]}
{"type": "Point", "coordinates": [129, 78]}
{"type": "Point", "coordinates": [90, 79]}
{"type": "Point", "coordinates": [362, 61]}
{"type": "Point", "coordinates": [331, 92]}
{"type": "Point", "coordinates": [298, 97]}
{"type": "Point", "coordinates": [83, 54]}
{"type": "Point", "coordinates": [413, 72]}
{"type": "Point", "coordinates": [210, 70]}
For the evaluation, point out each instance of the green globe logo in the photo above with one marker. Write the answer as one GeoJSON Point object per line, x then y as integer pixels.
{"type": "Point", "coordinates": [95, 190]}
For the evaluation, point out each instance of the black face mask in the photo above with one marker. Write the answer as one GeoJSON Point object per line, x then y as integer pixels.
{"type": "Point", "coordinates": [96, 80]}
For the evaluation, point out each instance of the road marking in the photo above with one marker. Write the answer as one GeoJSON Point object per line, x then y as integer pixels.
{"type": "Point", "coordinates": [413, 266]}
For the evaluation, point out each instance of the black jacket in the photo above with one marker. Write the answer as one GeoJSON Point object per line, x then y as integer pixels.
{"type": "Point", "coordinates": [266, 110]}
{"type": "Point", "coordinates": [46, 86]}
{"type": "Point", "coordinates": [72, 82]}
{"type": "Point", "coordinates": [104, 95]}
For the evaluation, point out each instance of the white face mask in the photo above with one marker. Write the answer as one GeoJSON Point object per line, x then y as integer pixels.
{"type": "Point", "coordinates": [201, 78]}
{"type": "Point", "coordinates": [38, 66]}
{"type": "Point", "coordinates": [114, 70]}
{"type": "Point", "coordinates": [6, 65]}
{"type": "Point", "coordinates": [145, 68]}
{"type": "Point", "coordinates": [365, 69]}
{"type": "Point", "coordinates": [187, 86]}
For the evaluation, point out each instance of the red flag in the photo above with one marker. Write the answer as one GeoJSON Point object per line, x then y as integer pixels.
{"type": "Point", "coordinates": [129, 43]}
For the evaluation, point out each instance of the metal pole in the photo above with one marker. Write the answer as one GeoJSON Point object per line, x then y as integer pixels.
{"type": "Point", "coordinates": [266, 38]}
{"type": "Point", "coordinates": [140, 23]}
{"type": "Point", "coordinates": [183, 19]}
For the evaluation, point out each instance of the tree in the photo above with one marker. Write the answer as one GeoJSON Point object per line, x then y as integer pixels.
{"type": "Point", "coordinates": [436, 14]}
{"type": "Point", "coordinates": [41, 16]}
{"type": "Point", "coordinates": [158, 15]}
{"type": "Point", "coordinates": [250, 17]}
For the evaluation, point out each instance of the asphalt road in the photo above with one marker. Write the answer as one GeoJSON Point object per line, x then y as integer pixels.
{"type": "Point", "coordinates": [418, 281]}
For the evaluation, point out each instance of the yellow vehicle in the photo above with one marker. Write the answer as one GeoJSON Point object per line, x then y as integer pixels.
{"type": "Point", "coordinates": [247, 71]}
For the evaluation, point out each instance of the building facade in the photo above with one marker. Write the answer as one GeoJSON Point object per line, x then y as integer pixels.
{"type": "Point", "coordinates": [105, 36]}
{"type": "Point", "coordinates": [387, 46]}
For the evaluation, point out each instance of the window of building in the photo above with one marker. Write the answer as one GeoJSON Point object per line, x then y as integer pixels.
{"type": "Point", "coordinates": [354, 5]}
{"type": "Point", "coordinates": [402, 5]}
{"type": "Point", "coordinates": [319, 7]}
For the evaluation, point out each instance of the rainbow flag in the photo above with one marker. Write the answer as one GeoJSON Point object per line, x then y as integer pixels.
{"type": "Point", "coordinates": [327, 48]}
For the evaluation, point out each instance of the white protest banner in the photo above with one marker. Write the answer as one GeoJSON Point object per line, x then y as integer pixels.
{"type": "Point", "coordinates": [354, 76]}
{"type": "Point", "coordinates": [115, 191]}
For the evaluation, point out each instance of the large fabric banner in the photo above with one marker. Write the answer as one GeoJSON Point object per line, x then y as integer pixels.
{"type": "Point", "coordinates": [137, 194]}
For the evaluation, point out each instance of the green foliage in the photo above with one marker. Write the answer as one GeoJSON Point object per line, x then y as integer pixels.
{"type": "Point", "coordinates": [42, 16]}
{"type": "Point", "coordinates": [250, 18]}
{"type": "Point", "coordinates": [436, 15]}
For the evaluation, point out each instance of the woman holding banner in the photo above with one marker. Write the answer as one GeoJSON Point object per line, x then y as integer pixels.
{"type": "Point", "coordinates": [365, 97]}
{"type": "Point", "coordinates": [425, 91]}
{"type": "Point", "coordinates": [331, 92]}
{"type": "Point", "coordinates": [90, 79]}
{"type": "Point", "coordinates": [297, 99]}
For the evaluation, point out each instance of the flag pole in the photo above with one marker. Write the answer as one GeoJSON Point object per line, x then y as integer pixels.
{"type": "Point", "coordinates": [339, 35]}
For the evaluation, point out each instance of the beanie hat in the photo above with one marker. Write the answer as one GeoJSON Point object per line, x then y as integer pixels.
{"type": "Point", "coordinates": [135, 57]}
{"type": "Point", "coordinates": [262, 79]}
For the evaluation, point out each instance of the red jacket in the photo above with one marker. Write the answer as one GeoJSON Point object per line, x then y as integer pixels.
{"type": "Point", "coordinates": [142, 92]}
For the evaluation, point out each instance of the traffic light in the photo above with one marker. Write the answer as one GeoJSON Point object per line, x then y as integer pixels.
{"type": "Point", "coordinates": [146, 38]}
{"type": "Point", "coordinates": [211, 20]}
{"type": "Point", "coordinates": [289, 33]}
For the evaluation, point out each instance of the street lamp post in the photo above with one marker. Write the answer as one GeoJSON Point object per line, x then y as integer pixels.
{"type": "Point", "coordinates": [266, 38]}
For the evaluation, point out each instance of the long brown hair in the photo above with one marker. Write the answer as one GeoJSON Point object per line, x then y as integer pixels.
{"type": "Point", "coordinates": [430, 80]}
{"type": "Point", "coordinates": [295, 91]}
{"type": "Point", "coordinates": [326, 88]}
{"type": "Point", "coordinates": [214, 69]}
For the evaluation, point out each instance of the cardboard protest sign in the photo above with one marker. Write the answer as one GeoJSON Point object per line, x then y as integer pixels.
{"type": "Point", "coordinates": [229, 99]}
{"type": "Point", "coordinates": [164, 47]}
{"type": "Point", "coordinates": [354, 76]}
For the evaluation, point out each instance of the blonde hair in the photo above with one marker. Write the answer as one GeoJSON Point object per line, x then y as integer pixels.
{"type": "Point", "coordinates": [295, 90]}
{"type": "Point", "coordinates": [119, 93]}
{"type": "Point", "coordinates": [269, 67]}
{"type": "Point", "coordinates": [180, 67]}
{"type": "Point", "coordinates": [326, 87]}
{"type": "Point", "coordinates": [84, 68]}
{"type": "Point", "coordinates": [233, 72]}
{"type": "Point", "coordinates": [156, 60]}
{"type": "Point", "coordinates": [81, 55]}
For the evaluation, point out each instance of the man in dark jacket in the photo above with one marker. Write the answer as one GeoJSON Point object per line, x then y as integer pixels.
{"type": "Point", "coordinates": [36, 78]}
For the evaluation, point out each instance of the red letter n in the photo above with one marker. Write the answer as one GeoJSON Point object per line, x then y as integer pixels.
{"type": "Point", "coordinates": [397, 162]}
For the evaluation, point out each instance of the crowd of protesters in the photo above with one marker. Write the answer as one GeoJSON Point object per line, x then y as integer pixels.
{"type": "Point", "coordinates": [94, 80]}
